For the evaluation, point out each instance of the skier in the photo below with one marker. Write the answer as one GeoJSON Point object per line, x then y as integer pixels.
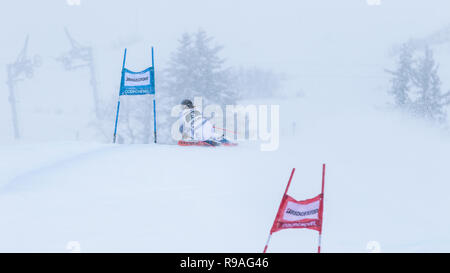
{"type": "Point", "coordinates": [197, 130]}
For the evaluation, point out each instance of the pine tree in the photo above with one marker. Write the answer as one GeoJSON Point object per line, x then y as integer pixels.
{"type": "Point", "coordinates": [430, 102]}
{"type": "Point", "coordinates": [416, 86]}
{"type": "Point", "coordinates": [197, 70]}
{"type": "Point", "coordinates": [401, 81]}
{"type": "Point", "coordinates": [179, 73]}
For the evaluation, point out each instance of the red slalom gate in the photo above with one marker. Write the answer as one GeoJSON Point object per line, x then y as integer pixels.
{"type": "Point", "coordinates": [299, 214]}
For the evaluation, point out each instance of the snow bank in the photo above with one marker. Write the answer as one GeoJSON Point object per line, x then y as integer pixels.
{"type": "Point", "coordinates": [386, 181]}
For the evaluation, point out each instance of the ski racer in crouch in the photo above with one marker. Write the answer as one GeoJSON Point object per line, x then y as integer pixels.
{"type": "Point", "coordinates": [197, 130]}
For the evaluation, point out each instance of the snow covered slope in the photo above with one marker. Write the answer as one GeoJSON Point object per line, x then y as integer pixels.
{"type": "Point", "coordinates": [387, 181]}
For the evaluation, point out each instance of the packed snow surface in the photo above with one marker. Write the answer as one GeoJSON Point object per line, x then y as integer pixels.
{"type": "Point", "coordinates": [386, 181]}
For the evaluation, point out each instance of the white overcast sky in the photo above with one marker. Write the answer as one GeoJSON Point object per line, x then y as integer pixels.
{"type": "Point", "coordinates": [309, 40]}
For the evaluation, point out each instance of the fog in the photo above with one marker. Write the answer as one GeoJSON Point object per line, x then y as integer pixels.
{"type": "Point", "coordinates": [334, 103]}
{"type": "Point", "coordinates": [311, 41]}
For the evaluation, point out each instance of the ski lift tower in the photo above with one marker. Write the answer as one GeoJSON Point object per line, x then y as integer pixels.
{"type": "Point", "coordinates": [20, 70]}
{"type": "Point", "coordinates": [80, 57]}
